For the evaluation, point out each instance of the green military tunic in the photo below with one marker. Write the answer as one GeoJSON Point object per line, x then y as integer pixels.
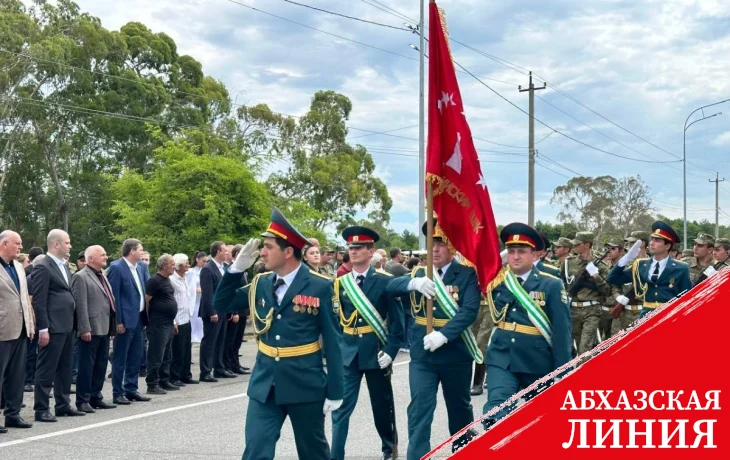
{"type": "Point", "coordinates": [288, 377]}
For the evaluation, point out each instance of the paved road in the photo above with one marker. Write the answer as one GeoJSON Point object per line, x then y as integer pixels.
{"type": "Point", "coordinates": [200, 421]}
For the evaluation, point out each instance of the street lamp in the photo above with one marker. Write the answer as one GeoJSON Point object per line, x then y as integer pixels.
{"type": "Point", "coordinates": [684, 159]}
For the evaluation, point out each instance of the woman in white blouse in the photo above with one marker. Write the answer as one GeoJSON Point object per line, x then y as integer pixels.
{"type": "Point", "coordinates": [193, 279]}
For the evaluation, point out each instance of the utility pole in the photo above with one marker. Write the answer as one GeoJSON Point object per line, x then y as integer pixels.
{"type": "Point", "coordinates": [717, 203]}
{"type": "Point", "coordinates": [531, 168]}
{"type": "Point", "coordinates": [421, 135]}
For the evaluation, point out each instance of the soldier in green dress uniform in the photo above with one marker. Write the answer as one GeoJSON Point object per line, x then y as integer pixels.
{"type": "Point", "coordinates": [448, 352]}
{"type": "Point", "coordinates": [291, 308]}
{"type": "Point", "coordinates": [530, 308]}
{"type": "Point", "coordinates": [373, 325]}
{"type": "Point", "coordinates": [656, 280]}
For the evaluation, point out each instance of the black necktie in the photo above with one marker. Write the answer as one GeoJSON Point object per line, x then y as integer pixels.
{"type": "Point", "coordinates": [360, 280]}
{"type": "Point", "coordinates": [279, 282]}
{"type": "Point", "coordinates": [655, 275]}
{"type": "Point", "coordinates": [440, 272]}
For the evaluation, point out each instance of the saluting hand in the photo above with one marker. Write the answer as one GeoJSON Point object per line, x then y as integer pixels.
{"type": "Point", "coordinates": [247, 256]}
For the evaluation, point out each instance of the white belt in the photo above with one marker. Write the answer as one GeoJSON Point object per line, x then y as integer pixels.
{"type": "Point", "coordinates": [634, 307]}
{"type": "Point", "coordinates": [606, 308]}
{"type": "Point", "coordinates": [587, 303]}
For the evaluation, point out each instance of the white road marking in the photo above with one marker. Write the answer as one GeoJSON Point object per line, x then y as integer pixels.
{"type": "Point", "coordinates": [118, 420]}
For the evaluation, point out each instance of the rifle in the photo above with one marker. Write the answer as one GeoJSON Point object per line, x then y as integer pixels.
{"type": "Point", "coordinates": [716, 266]}
{"type": "Point", "coordinates": [584, 281]}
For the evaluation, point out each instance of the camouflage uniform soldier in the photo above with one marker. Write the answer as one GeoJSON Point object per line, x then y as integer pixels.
{"type": "Point", "coordinates": [676, 251]}
{"type": "Point", "coordinates": [482, 330]}
{"type": "Point", "coordinates": [563, 248]}
{"type": "Point", "coordinates": [628, 307]}
{"type": "Point", "coordinates": [605, 326]}
{"type": "Point", "coordinates": [703, 257]}
{"type": "Point", "coordinates": [722, 253]}
{"type": "Point", "coordinates": [687, 254]}
{"type": "Point", "coordinates": [587, 288]}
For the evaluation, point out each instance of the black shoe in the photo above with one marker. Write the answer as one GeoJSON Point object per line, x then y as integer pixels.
{"type": "Point", "coordinates": [45, 416]}
{"type": "Point", "coordinates": [101, 404]}
{"type": "Point", "coordinates": [156, 390]}
{"type": "Point", "coordinates": [177, 383]}
{"type": "Point", "coordinates": [86, 408]}
{"type": "Point", "coordinates": [224, 375]}
{"type": "Point", "coordinates": [143, 372]}
{"type": "Point", "coordinates": [69, 412]}
{"type": "Point", "coordinates": [3, 430]}
{"type": "Point", "coordinates": [16, 422]}
{"type": "Point", "coordinates": [28, 388]}
{"type": "Point", "coordinates": [121, 400]}
{"type": "Point", "coordinates": [477, 390]}
{"type": "Point", "coordinates": [209, 379]}
{"type": "Point", "coordinates": [136, 396]}
{"type": "Point", "coordinates": [190, 382]}
{"type": "Point", "coordinates": [240, 370]}
{"type": "Point", "coordinates": [387, 455]}
{"type": "Point", "coordinates": [169, 386]}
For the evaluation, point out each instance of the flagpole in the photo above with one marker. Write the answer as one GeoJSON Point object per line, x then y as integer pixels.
{"type": "Point", "coordinates": [429, 256]}
{"type": "Point", "coordinates": [421, 130]}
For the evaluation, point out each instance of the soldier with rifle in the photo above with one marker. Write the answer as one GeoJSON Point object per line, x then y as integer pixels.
{"type": "Point", "coordinates": [721, 259]}
{"type": "Point", "coordinates": [587, 288]}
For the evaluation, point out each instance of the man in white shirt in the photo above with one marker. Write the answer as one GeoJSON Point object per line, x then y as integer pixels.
{"type": "Point", "coordinates": [180, 373]}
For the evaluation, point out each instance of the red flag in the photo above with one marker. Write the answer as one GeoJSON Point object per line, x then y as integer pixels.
{"type": "Point", "coordinates": [460, 196]}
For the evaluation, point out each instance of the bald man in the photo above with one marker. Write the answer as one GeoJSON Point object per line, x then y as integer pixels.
{"type": "Point", "coordinates": [96, 319]}
{"type": "Point", "coordinates": [16, 327]}
{"type": "Point", "coordinates": [54, 306]}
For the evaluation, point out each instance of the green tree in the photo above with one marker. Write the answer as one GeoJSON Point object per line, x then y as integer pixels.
{"type": "Point", "coordinates": [334, 177]}
{"type": "Point", "coordinates": [189, 200]}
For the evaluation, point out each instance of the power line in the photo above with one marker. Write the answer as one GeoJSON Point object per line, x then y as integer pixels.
{"type": "Point", "coordinates": [553, 129]}
{"type": "Point", "coordinates": [542, 155]}
{"type": "Point", "coordinates": [385, 132]}
{"type": "Point", "coordinates": [322, 31]}
{"type": "Point", "coordinates": [390, 11]}
{"type": "Point", "coordinates": [551, 170]}
{"type": "Point", "coordinates": [346, 16]}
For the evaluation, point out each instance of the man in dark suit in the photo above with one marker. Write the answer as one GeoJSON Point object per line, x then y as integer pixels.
{"type": "Point", "coordinates": [235, 328]}
{"type": "Point", "coordinates": [214, 327]}
{"type": "Point", "coordinates": [55, 306]}
{"type": "Point", "coordinates": [16, 328]}
{"type": "Point", "coordinates": [127, 277]}
{"type": "Point", "coordinates": [96, 320]}
{"type": "Point", "coordinates": [31, 355]}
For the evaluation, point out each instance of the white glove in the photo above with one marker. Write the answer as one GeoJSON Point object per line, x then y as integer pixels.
{"type": "Point", "coordinates": [709, 271]}
{"type": "Point", "coordinates": [592, 269]}
{"type": "Point", "coordinates": [631, 255]}
{"type": "Point", "coordinates": [622, 299]}
{"type": "Point", "coordinates": [423, 285]}
{"type": "Point", "coordinates": [503, 254]}
{"type": "Point", "coordinates": [384, 360]}
{"type": "Point", "coordinates": [434, 340]}
{"type": "Point", "coordinates": [247, 256]}
{"type": "Point", "coordinates": [331, 405]}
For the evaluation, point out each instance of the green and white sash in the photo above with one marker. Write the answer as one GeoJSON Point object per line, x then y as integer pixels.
{"type": "Point", "coordinates": [537, 316]}
{"type": "Point", "coordinates": [364, 307]}
{"type": "Point", "coordinates": [449, 307]}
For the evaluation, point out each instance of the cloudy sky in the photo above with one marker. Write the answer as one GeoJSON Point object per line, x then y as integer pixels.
{"type": "Point", "coordinates": [641, 64]}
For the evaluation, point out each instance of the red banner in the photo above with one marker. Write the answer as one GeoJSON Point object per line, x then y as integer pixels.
{"type": "Point", "coordinates": [461, 199]}
{"type": "Point", "coordinates": [653, 391]}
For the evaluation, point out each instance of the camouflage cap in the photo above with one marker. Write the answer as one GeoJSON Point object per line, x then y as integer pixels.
{"type": "Point", "coordinates": [613, 244]}
{"type": "Point", "coordinates": [582, 237]}
{"type": "Point", "coordinates": [722, 243]}
{"type": "Point", "coordinates": [563, 242]}
{"type": "Point", "coordinates": [677, 247]}
{"type": "Point", "coordinates": [705, 238]}
{"type": "Point", "coordinates": [638, 235]}
{"type": "Point", "coordinates": [688, 253]}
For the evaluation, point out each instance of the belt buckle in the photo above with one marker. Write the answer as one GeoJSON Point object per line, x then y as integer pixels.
{"type": "Point", "coordinates": [355, 330]}
{"type": "Point", "coordinates": [512, 327]}
{"type": "Point", "coordinates": [275, 352]}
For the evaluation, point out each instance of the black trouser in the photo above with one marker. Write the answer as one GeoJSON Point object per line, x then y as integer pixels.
{"type": "Point", "coordinates": [159, 352]}
{"type": "Point", "coordinates": [55, 362]}
{"type": "Point", "coordinates": [93, 358]}
{"type": "Point", "coordinates": [234, 338]}
{"type": "Point", "coordinates": [219, 354]}
{"type": "Point", "coordinates": [31, 359]}
{"type": "Point", "coordinates": [12, 373]}
{"type": "Point", "coordinates": [207, 345]}
{"type": "Point", "coordinates": [181, 347]}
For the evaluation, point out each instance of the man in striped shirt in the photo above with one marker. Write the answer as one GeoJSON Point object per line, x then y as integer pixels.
{"type": "Point", "coordinates": [180, 373]}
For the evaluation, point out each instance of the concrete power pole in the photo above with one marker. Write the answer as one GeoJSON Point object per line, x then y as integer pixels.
{"type": "Point", "coordinates": [531, 178]}
{"type": "Point", "coordinates": [717, 203]}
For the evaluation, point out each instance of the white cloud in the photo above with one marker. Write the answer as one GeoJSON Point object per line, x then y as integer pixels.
{"type": "Point", "coordinates": [722, 140]}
